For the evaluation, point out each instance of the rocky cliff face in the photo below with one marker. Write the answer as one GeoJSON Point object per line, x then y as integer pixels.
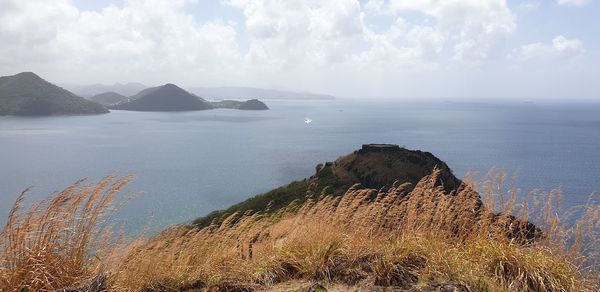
{"type": "Point", "coordinates": [380, 165]}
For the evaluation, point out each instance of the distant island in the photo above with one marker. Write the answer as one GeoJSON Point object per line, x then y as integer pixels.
{"type": "Point", "coordinates": [171, 97]}
{"type": "Point", "coordinates": [252, 104]}
{"type": "Point", "coordinates": [88, 91]}
{"type": "Point", "coordinates": [168, 97]}
{"type": "Point", "coordinates": [108, 98]}
{"type": "Point", "coordinates": [216, 93]}
{"type": "Point", "coordinates": [250, 92]}
{"type": "Point", "coordinates": [27, 94]}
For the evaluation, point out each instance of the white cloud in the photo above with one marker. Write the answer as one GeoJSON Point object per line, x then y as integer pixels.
{"type": "Point", "coordinates": [528, 6]}
{"type": "Point", "coordinates": [337, 46]}
{"type": "Point", "coordinates": [402, 46]}
{"type": "Point", "coordinates": [289, 33]}
{"type": "Point", "coordinates": [573, 2]}
{"type": "Point", "coordinates": [376, 7]}
{"type": "Point", "coordinates": [28, 29]}
{"type": "Point", "coordinates": [297, 32]}
{"type": "Point", "coordinates": [560, 48]}
{"type": "Point", "coordinates": [476, 30]}
{"type": "Point", "coordinates": [151, 38]}
{"type": "Point", "coordinates": [158, 36]}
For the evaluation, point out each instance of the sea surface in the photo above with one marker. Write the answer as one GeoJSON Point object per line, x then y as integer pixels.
{"type": "Point", "coordinates": [187, 164]}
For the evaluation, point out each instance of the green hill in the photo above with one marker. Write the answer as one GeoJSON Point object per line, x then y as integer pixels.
{"type": "Point", "coordinates": [374, 166]}
{"type": "Point", "coordinates": [28, 94]}
{"type": "Point", "coordinates": [252, 104]}
{"type": "Point", "coordinates": [108, 98]}
{"type": "Point", "coordinates": [168, 97]}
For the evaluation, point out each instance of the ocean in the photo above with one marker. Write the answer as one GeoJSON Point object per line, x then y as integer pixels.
{"type": "Point", "coordinates": [187, 164]}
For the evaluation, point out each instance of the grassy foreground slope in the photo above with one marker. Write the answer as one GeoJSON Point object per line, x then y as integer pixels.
{"type": "Point", "coordinates": [409, 234]}
{"type": "Point", "coordinates": [28, 94]}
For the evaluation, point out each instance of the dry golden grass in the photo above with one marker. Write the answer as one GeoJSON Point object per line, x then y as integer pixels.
{"type": "Point", "coordinates": [53, 244]}
{"type": "Point", "coordinates": [366, 237]}
{"type": "Point", "coordinates": [391, 237]}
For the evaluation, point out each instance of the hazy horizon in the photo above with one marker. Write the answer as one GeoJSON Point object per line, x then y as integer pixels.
{"type": "Point", "coordinates": [444, 50]}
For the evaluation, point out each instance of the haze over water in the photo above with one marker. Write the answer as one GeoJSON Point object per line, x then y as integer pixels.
{"type": "Point", "coordinates": [187, 164]}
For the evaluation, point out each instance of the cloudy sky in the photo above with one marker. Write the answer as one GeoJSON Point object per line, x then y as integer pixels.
{"type": "Point", "coordinates": [530, 49]}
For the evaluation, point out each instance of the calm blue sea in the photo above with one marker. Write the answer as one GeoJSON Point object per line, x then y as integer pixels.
{"type": "Point", "coordinates": [187, 164]}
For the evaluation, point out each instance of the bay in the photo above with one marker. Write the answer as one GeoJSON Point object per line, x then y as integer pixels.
{"type": "Point", "coordinates": [187, 164]}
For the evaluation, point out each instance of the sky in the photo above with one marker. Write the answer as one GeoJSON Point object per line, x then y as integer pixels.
{"type": "Point", "coordinates": [483, 49]}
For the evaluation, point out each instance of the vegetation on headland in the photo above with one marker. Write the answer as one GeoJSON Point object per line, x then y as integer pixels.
{"type": "Point", "coordinates": [288, 196]}
{"type": "Point", "coordinates": [404, 235]}
{"type": "Point", "coordinates": [108, 98]}
{"type": "Point", "coordinates": [251, 104]}
{"type": "Point", "coordinates": [168, 97]}
{"type": "Point", "coordinates": [374, 166]}
{"type": "Point", "coordinates": [29, 95]}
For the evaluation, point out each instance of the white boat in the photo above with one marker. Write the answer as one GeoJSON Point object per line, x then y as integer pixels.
{"type": "Point", "coordinates": [307, 120]}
